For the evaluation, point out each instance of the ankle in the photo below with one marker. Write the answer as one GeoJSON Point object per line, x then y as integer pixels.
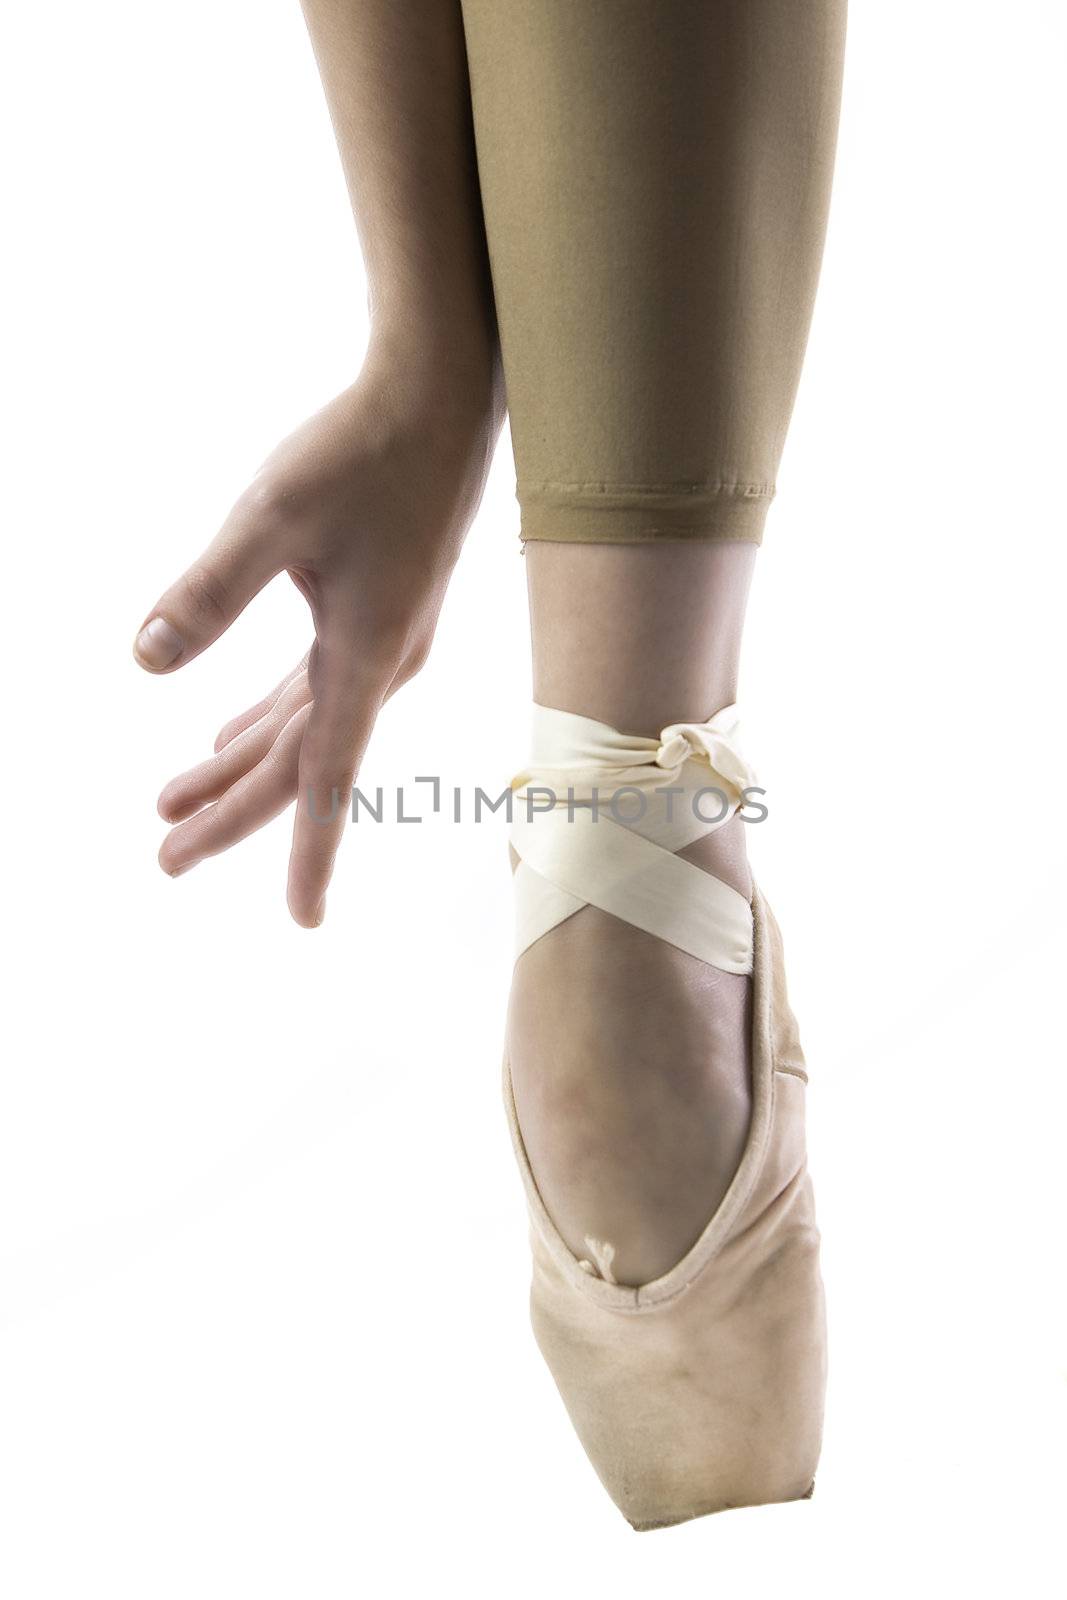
{"type": "Point", "coordinates": [638, 636]}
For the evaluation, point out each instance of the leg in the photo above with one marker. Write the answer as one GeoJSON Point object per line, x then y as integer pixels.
{"type": "Point", "coordinates": [655, 180]}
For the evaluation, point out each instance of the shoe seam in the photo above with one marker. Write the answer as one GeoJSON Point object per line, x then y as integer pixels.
{"type": "Point", "coordinates": [792, 1069]}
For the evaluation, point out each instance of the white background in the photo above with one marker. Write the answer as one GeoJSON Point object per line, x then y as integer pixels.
{"type": "Point", "coordinates": [262, 1248]}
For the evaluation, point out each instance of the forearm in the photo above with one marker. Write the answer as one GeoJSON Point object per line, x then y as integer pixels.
{"type": "Point", "coordinates": [395, 77]}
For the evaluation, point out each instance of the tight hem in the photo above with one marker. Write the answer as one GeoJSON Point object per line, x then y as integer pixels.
{"type": "Point", "coordinates": [617, 516]}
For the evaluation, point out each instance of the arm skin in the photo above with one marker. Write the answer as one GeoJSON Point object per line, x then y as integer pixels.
{"type": "Point", "coordinates": [366, 505]}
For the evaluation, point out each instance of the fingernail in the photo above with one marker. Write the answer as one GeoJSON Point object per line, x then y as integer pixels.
{"type": "Point", "coordinates": [157, 645]}
{"type": "Point", "coordinates": [320, 912]}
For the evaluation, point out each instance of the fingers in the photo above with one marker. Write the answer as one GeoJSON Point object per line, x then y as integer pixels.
{"type": "Point", "coordinates": [254, 800]}
{"type": "Point", "coordinates": [339, 726]}
{"type": "Point", "coordinates": [300, 746]}
{"type": "Point", "coordinates": [188, 793]}
{"type": "Point", "coordinates": [238, 725]}
{"type": "Point", "coordinates": [198, 608]}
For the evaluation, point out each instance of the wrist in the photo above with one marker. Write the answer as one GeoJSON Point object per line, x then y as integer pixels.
{"type": "Point", "coordinates": [450, 362]}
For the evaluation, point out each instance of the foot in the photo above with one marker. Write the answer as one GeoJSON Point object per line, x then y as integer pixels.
{"type": "Point", "coordinates": [630, 1067]}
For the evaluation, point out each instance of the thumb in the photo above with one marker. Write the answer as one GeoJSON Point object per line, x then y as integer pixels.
{"type": "Point", "coordinates": [199, 608]}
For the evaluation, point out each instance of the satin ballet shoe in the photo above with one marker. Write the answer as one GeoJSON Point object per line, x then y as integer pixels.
{"type": "Point", "coordinates": [703, 1390]}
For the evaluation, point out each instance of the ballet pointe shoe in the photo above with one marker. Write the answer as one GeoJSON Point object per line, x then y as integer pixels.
{"type": "Point", "coordinates": [703, 1390]}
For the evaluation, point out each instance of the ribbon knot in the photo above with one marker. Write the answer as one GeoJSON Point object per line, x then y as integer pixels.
{"type": "Point", "coordinates": [677, 744]}
{"type": "Point", "coordinates": [714, 742]}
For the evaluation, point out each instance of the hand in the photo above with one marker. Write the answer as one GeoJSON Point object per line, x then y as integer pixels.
{"type": "Point", "coordinates": [365, 507]}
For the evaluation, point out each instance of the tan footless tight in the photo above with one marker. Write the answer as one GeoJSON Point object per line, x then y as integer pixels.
{"type": "Point", "coordinates": [655, 177]}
